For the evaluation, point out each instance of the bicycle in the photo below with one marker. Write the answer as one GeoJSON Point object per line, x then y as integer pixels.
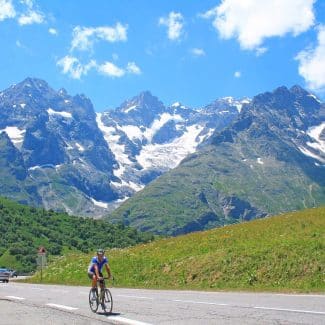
{"type": "Point", "coordinates": [103, 298]}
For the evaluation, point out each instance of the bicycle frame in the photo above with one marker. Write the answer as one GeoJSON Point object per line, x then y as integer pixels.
{"type": "Point", "coordinates": [103, 297]}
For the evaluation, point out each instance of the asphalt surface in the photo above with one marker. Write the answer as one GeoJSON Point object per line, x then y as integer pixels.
{"type": "Point", "coordinates": [22, 304]}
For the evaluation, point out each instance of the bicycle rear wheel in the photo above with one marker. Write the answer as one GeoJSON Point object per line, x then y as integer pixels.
{"type": "Point", "coordinates": [93, 300]}
{"type": "Point", "coordinates": [107, 301]}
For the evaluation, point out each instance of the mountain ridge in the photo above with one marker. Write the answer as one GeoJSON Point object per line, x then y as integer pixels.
{"type": "Point", "coordinates": [264, 162]}
{"type": "Point", "coordinates": [87, 163]}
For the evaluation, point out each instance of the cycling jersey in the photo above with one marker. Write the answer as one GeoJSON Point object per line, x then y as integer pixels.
{"type": "Point", "coordinates": [99, 264]}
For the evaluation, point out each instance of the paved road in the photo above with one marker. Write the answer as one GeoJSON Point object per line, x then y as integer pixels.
{"type": "Point", "coordinates": [49, 304]}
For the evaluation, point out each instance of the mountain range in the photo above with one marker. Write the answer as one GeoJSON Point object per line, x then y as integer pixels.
{"type": "Point", "coordinates": [178, 169]}
{"type": "Point", "coordinates": [269, 159]}
{"type": "Point", "coordinates": [57, 152]}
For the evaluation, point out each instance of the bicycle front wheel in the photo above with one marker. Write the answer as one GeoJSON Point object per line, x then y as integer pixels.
{"type": "Point", "coordinates": [93, 300]}
{"type": "Point", "coordinates": [107, 301]}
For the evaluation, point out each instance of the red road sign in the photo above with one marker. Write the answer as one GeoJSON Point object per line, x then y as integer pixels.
{"type": "Point", "coordinates": [41, 250]}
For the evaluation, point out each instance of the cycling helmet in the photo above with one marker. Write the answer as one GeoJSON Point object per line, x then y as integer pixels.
{"type": "Point", "coordinates": [100, 251]}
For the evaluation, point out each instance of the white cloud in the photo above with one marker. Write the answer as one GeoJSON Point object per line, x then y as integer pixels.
{"type": "Point", "coordinates": [31, 17]}
{"type": "Point", "coordinates": [110, 69]}
{"type": "Point", "coordinates": [197, 52]}
{"type": "Point", "coordinates": [53, 31]}
{"type": "Point", "coordinates": [312, 63]}
{"type": "Point", "coordinates": [133, 68]}
{"type": "Point", "coordinates": [27, 16]}
{"type": "Point", "coordinates": [237, 74]}
{"type": "Point", "coordinates": [253, 21]}
{"type": "Point", "coordinates": [7, 10]}
{"type": "Point", "coordinates": [73, 67]}
{"type": "Point", "coordinates": [84, 37]}
{"type": "Point", "coordinates": [175, 23]}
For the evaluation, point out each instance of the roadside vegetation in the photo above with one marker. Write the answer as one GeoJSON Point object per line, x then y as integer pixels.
{"type": "Point", "coordinates": [281, 253]}
{"type": "Point", "coordinates": [24, 229]}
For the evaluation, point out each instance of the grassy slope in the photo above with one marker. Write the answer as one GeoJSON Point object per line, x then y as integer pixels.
{"type": "Point", "coordinates": [278, 253]}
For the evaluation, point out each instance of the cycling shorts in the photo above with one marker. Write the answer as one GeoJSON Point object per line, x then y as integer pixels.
{"type": "Point", "coordinates": [91, 274]}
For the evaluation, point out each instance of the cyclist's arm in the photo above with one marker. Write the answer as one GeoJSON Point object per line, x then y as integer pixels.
{"type": "Point", "coordinates": [96, 271]}
{"type": "Point", "coordinates": [108, 270]}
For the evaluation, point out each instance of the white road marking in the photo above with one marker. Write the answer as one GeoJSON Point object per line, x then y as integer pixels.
{"type": "Point", "coordinates": [200, 302]}
{"type": "Point", "coordinates": [14, 297]}
{"type": "Point", "coordinates": [300, 295]}
{"type": "Point", "coordinates": [126, 321]}
{"type": "Point", "coordinates": [62, 307]}
{"type": "Point", "coordinates": [136, 297]}
{"type": "Point", "coordinates": [255, 307]}
{"type": "Point", "coordinates": [292, 310]}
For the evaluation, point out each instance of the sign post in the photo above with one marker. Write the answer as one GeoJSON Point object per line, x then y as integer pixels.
{"type": "Point", "coordinates": [41, 259]}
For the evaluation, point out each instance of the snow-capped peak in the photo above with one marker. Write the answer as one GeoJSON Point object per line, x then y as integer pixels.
{"type": "Point", "coordinates": [178, 105]}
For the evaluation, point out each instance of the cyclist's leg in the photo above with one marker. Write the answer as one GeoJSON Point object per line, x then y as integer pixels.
{"type": "Point", "coordinates": [92, 276]}
{"type": "Point", "coordinates": [101, 285]}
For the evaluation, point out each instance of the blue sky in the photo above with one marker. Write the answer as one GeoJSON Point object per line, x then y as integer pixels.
{"type": "Point", "coordinates": [181, 50]}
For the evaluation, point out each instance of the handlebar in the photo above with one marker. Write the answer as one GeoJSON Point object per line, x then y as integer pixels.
{"type": "Point", "coordinates": [107, 278]}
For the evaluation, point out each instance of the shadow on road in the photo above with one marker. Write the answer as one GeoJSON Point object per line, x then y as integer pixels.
{"type": "Point", "coordinates": [108, 314]}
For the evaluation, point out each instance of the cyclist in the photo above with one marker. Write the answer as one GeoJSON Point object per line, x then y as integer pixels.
{"type": "Point", "coordinates": [95, 267]}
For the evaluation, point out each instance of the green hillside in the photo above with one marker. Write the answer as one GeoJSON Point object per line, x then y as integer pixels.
{"type": "Point", "coordinates": [23, 229]}
{"type": "Point", "coordinates": [285, 252]}
{"type": "Point", "coordinates": [221, 185]}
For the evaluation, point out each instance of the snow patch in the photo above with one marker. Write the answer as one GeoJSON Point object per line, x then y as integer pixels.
{"type": "Point", "coordinates": [311, 154]}
{"type": "Point", "coordinates": [129, 109]}
{"type": "Point", "coordinates": [313, 96]}
{"type": "Point", "coordinates": [315, 133]}
{"type": "Point", "coordinates": [228, 99]}
{"type": "Point", "coordinates": [52, 112]}
{"type": "Point", "coordinates": [169, 155]}
{"type": "Point", "coordinates": [99, 203]}
{"type": "Point", "coordinates": [246, 101]}
{"type": "Point", "coordinates": [176, 104]}
{"type": "Point", "coordinates": [80, 147]}
{"type": "Point", "coordinates": [15, 134]}
{"type": "Point", "coordinates": [135, 187]}
{"type": "Point", "coordinates": [45, 166]}
{"type": "Point", "coordinates": [112, 139]}
{"type": "Point", "coordinates": [201, 138]}
{"type": "Point", "coordinates": [239, 107]}
{"type": "Point", "coordinates": [260, 161]}
{"type": "Point", "coordinates": [158, 123]}
{"type": "Point", "coordinates": [133, 132]}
